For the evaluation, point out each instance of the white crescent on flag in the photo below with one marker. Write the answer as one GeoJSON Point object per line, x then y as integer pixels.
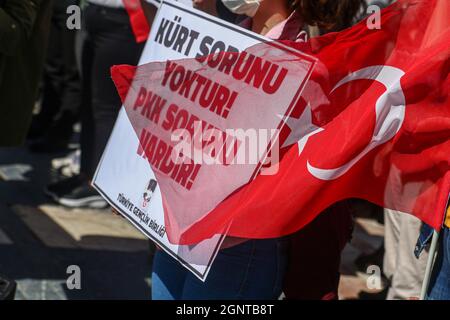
{"type": "Point", "coordinates": [390, 113]}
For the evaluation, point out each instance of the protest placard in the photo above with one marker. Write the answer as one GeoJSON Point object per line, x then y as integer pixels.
{"type": "Point", "coordinates": [203, 77]}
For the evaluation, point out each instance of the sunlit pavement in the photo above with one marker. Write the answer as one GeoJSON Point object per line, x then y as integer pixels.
{"type": "Point", "coordinates": [367, 237]}
{"type": "Point", "coordinates": [39, 240]}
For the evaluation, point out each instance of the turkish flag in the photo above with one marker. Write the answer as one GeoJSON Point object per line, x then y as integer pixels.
{"type": "Point", "coordinates": [373, 123]}
{"type": "Point", "coordinates": [138, 21]}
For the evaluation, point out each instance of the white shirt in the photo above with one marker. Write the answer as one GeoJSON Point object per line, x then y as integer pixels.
{"type": "Point", "coordinates": [108, 3]}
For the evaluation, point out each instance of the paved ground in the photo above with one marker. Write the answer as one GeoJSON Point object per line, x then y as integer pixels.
{"type": "Point", "coordinates": [367, 237]}
{"type": "Point", "coordinates": [40, 240]}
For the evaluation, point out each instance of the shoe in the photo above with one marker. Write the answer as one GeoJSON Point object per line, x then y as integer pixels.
{"type": "Point", "coordinates": [62, 187]}
{"type": "Point", "coordinates": [7, 288]}
{"type": "Point", "coordinates": [83, 196]}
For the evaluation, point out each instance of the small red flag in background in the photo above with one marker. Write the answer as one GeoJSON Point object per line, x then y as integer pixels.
{"type": "Point", "coordinates": [373, 123]}
{"type": "Point", "coordinates": [138, 21]}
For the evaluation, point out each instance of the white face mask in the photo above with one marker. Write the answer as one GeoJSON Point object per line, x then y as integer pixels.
{"type": "Point", "coordinates": [247, 7]}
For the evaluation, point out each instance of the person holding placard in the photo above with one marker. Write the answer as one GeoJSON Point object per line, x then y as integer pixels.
{"type": "Point", "coordinates": [249, 268]}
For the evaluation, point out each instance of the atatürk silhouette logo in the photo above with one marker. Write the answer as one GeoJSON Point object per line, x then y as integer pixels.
{"type": "Point", "coordinates": [148, 193]}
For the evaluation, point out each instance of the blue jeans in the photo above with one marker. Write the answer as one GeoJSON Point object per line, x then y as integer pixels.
{"type": "Point", "coordinates": [439, 288]}
{"type": "Point", "coordinates": [252, 270]}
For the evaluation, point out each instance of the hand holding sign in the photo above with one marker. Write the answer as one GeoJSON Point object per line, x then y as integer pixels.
{"type": "Point", "coordinates": [199, 118]}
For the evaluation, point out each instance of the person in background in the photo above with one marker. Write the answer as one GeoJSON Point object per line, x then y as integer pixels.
{"type": "Point", "coordinates": [52, 127]}
{"type": "Point", "coordinates": [404, 272]}
{"type": "Point", "coordinates": [256, 268]}
{"type": "Point", "coordinates": [24, 28]}
{"type": "Point", "coordinates": [107, 40]}
{"type": "Point", "coordinates": [439, 286]}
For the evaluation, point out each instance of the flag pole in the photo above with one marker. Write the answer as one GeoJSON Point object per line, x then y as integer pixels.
{"type": "Point", "coordinates": [431, 257]}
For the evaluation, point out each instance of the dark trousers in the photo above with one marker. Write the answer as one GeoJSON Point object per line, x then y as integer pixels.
{"type": "Point", "coordinates": [107, 40]}
{"type": "Point", "coordinates": [315, 255]}
{"type": "Point", "coordinates": [61, 92]}
{"type": "Point", "coordinates": [253, 270]}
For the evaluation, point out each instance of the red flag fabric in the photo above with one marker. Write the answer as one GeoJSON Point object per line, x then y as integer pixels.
{"type": "Point", "coordinates": [122, 76]}
{"type": "Point", "coordinates": [373, 123]}
{"type": "Point", "coordinates": [138, 21]}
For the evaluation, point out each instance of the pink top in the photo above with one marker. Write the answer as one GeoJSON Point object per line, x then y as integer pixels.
{"type": "Point", "coordinates": [289, 29]}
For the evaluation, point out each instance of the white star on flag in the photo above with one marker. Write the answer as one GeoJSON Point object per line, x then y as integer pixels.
{"type": "Point", "coordinates": [301, 129]}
